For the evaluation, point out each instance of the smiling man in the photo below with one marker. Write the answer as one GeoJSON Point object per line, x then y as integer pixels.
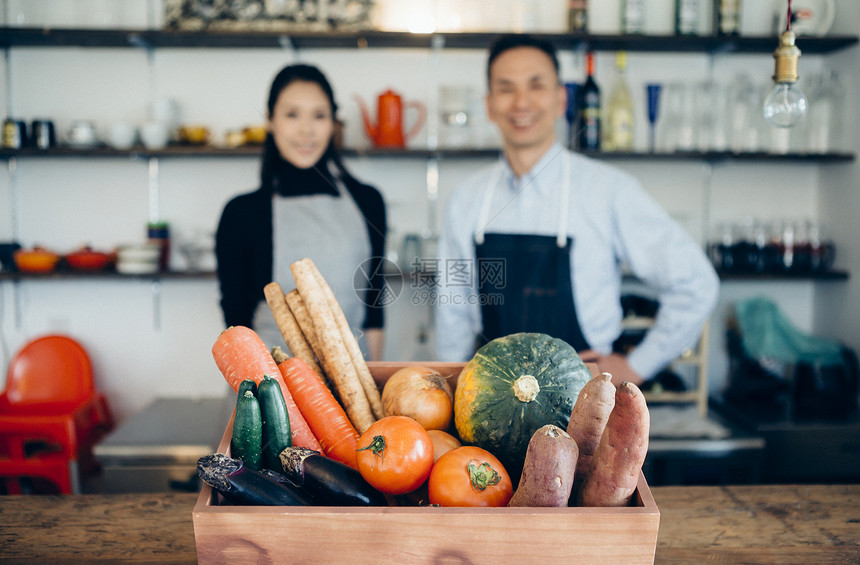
{"type": "Point", "coordinates": [537, 242]}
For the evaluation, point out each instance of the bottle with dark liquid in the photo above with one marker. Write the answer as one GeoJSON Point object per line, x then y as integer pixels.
{"type": "Point", "coordinates": [588, 120]}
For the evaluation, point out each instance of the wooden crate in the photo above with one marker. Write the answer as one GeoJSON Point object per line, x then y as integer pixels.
{"type": "Point", "coordinates": [288, 534]}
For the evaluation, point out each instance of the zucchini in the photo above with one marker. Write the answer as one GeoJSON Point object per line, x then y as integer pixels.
{"type": "Point", "coordinates": [247, 384]}
{"type": "Point", "coordinates": [247, 441]}
{"type": "Point", "coordinates": [276, 422]}
{"type": "Point", "coordinates": [328, 480]}
{"type": "Point", "coordinates": [246, 487]}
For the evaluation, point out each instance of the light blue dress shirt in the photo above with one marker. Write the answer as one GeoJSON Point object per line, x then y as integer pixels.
{"type": "Point", "coordinates": [613, 223]}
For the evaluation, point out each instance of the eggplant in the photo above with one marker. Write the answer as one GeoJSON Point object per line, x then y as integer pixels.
{"type": "Point", "coordinates": [244, 486]}
{"type": "Point", "coordinates": [328, 480]}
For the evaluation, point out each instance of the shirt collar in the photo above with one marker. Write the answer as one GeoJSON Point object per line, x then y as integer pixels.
{"type": "Point", "coordinates": [548, 169]}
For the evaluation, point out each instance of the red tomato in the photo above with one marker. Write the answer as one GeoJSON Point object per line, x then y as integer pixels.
{"type": "Point", "coordinates": [469, 476]}
{"type": "Point", "coordinates": [395, 455]}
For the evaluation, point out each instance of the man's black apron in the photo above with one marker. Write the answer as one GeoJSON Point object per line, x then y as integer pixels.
{"type": "Point", "coordinates": [534, 292]}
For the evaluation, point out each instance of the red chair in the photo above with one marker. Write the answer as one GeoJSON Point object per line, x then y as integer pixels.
{"type": "Point", "coordinates": [50, 415]}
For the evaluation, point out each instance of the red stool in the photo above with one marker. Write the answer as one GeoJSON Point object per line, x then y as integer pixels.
{"type": "Point", "coordinates": [51, 416]}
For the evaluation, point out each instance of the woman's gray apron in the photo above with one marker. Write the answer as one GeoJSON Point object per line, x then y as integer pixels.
{"type": "Point", "coordinates": [332, 232]}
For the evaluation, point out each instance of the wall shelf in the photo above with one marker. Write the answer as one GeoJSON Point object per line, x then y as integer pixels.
{"type": "Point", "coordinates": [834, 275]}
{"type": "Point", "coordinates": [55, 37]}
{"type": "Point", "coordinates": [254, 151]}
{"type": "Point", "coordinates": [66, 275]}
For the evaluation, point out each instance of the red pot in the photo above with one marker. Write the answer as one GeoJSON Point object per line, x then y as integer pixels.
{"type": "Point", "coordinates": [85, 259]}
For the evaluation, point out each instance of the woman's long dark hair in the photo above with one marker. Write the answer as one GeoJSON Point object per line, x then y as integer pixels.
{"type": "Point", "coordinates": [271, 155]}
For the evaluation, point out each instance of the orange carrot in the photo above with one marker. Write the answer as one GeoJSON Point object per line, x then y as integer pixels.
{"type": "Point", "coordinates": [324, 414]}
{"type": "Point", "coordinates": [241, 354]}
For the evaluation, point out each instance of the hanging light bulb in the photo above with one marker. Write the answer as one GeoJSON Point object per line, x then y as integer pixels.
{"type": "Point", "coordinates": [785, 105]}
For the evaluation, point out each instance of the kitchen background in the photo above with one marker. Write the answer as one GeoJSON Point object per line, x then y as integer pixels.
{"type": "Point", "coordinates": [151, 336]}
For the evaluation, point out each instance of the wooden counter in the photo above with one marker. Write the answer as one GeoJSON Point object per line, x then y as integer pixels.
{"type": "Point", "coordinates": [769, 525]}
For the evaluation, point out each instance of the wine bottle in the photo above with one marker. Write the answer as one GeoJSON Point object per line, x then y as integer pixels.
{"type": "Point", "coordinates": [618, 135]}
{"type": "Point", "coordinates": [727, 17]}
{"type": "Point", "coordinates": [588, 129]}
{"type": "Point", "coordinates": [577, 16]}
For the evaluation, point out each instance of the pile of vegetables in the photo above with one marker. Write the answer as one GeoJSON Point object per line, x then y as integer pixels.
{"type": "Point", "coordinates": [308, 430]}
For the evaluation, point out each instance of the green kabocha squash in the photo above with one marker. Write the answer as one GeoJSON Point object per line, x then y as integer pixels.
{"type": "Point", "coordinates": [513, 386]}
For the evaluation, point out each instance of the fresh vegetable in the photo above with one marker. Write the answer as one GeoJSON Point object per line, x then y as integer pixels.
{"type": "Point", "coordinates": [246, 443]}
{"type": "Point", "coordinates": [247, 384]}
{"type": "Point", "coordinates": [328, 480]}
{"type": "Point", "coordinates": [328, 422]}
{"type": "Point", "coordinates": [244, 486]}
{"type": "Point", "coordinates": [288, 326]}
{"type": "Point", "coordinates": [306, 325]}
{"type": "Point", "coordinates": [351, 344]}
{"type": "Point", "coordinates": [420, 393]}
{"type": "Point", "coordinates": [548, 470]}
{"type": "Point", "coordinates": [513, 386]}
{"type": "Point", "coordinates": [276, 422]}
{"type": "Point", "coordinates": [339, 366]}
{"type": "Point", "coordinates": [469, 476]}
{"type": "Point", "coordinates": [395, 455]}
{"type": "Point", "coordinates": [588, 420]}
{"type": "Point", "coordinates": [621, 452]}
{"type": "Point", "coordinates": [443, 442]}
{"type": "Point", "coordinates": [240, 354]}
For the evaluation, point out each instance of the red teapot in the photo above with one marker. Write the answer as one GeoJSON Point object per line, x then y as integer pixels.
{"type": "Point", "coordinates": [388, 131]}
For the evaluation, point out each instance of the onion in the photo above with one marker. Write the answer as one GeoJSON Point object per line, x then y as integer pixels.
{"type": "Point", "coordinates": [420, 393]}
{"type": "Point", "coordinates": [443, 442]}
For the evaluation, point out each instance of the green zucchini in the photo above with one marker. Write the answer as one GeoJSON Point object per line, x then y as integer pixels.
{"type": "Point", "coordinates": [276, 422]}
{"type": "Point", "coordinates": [247, 441]}
{"type": "Point", "coordinates": [247, 384]}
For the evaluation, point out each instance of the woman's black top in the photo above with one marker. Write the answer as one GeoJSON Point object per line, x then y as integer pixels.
{"type": "Point", "coordinates": [244, 247]}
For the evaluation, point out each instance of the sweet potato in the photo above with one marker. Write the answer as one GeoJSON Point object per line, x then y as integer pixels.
{"type": "Point", "coordinates": [588, 420]}
{"type": "Point", "coordinates": [548, 470]}
{"type": "Point", "coordinates": [620, 453]}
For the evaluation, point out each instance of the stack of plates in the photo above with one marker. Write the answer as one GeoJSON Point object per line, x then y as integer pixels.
{"type": "Point", "coordinates": [139, 259]}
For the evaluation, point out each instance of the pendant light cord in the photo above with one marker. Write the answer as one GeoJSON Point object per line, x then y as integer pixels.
{"type": "Point", "coordinates": [788, 18]}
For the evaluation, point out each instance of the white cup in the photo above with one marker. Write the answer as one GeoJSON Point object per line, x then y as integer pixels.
{"type": "Point", "coordinates": [154, 135]}
{"type": "Point", "coordinates": [122, 135]}
{"type": "Point", "coordinates": [82, 133]}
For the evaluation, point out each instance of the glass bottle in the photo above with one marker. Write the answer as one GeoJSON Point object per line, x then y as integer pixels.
{"type": "Point", "coordinates": [618, 135]}
{"type": "Point", "coordinates": [588, 129]}
{"type": "Point", "coordinates": [727, 17]}
{"type": "Point", "coordinates": [632, 16]}
{"type": "Point", "coordinates": [686, 17]}
{"type": "Point", "coordinates": [577, 16]}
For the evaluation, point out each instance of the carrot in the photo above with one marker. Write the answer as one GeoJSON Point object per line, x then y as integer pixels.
{"type": "Point", "coordinates": [240, 354]}
{"type": "Point", "coordinates": [324, 415]}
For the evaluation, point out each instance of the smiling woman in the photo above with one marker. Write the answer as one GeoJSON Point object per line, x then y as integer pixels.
{"type": "Point", "coordinates": [308, 206]}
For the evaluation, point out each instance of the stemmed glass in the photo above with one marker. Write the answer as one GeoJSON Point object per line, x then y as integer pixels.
{"type": "Point", "coordinates": [653, 109]}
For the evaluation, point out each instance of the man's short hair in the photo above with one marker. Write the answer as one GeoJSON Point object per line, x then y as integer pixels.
{"type": "Point", "coordinates": [514, 40]}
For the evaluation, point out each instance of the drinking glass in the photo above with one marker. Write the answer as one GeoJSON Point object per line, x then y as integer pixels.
{"type": "Point", "coordinates": [653, 91]}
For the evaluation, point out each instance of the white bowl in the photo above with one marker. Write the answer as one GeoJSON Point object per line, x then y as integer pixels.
{"type": "Point", "coordinates": [122, 136]}
{"type": "Point", "coordinates": [136, 268]}
{"type": "Point", "coordinates": [154, 135]}
{"type": "Point", "coordinates": [143, 253]}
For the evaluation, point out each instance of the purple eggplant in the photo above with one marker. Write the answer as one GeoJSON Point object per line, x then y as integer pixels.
{"type": "Point", "coordinates": [330, 481]}
{"type": "Point", "coordinates": [244, 486]}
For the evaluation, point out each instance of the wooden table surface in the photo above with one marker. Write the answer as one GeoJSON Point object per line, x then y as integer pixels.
{"type": "Point", "coordinates": [773, 525]}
